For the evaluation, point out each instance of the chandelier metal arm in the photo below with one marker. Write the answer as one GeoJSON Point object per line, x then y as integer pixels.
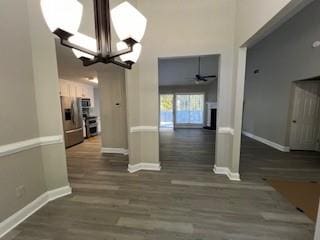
{"type": "Point", "coordinates": [64, 36]}
{"type": "Point", "coordinates": [127, 65]}
{"type": "Point", "coordinates": [71, 45]}
{"type": "Point", "coordinates": [119, 53]}
{"type": "Point", "coordinates": [87, 62]}
{"type": "Point", "coordinates": [104, 53]}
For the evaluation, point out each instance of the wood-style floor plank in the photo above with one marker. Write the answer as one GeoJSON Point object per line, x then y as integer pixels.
{"type": "Point", "coordinates": [184, 201]}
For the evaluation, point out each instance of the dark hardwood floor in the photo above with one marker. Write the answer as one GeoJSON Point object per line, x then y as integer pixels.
{"type": "Point", "coordinates": [184, 201]}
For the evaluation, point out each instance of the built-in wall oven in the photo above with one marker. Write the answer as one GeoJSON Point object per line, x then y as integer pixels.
{"type": "Point", "coordinates": [91, 127]}
{"type": "Point", "coordinates": [85, 103]}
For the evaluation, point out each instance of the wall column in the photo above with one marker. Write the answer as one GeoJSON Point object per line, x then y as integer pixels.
{"type": "Point", "coordinates": [113, 109]}
{"type": "Point", "coordinates": [46, 83]}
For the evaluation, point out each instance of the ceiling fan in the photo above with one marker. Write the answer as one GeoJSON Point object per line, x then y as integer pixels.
{"type": "Point", "coordinates": [202, 78]}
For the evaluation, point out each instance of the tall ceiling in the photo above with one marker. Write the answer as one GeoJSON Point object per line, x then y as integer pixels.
{"type": "Point", "coordinates": [181, 70]}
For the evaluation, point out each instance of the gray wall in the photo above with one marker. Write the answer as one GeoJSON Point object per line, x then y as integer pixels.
{"type": "Point", "coordinates": [284, 56]}
{"type": "Point", "coordinates": [29, 87]}
{"type": "Point", "coordinates": [18, 115]}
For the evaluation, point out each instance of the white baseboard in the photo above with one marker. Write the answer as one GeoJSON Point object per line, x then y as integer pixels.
{"type": "Point", "coordinates": [13, 221]}
{"type": "Point", "coordinates": [144, 166]}
{"type": "Point", "coordinates": [226, 171]}
{"type": "Point", "coordinates": [267, 142]}
{"type": "Point", "coordinates": [115, 150]}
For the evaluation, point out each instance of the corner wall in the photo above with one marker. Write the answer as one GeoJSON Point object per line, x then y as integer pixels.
{"type": "Point", "coordinates": [113, 109]}
{"type": "Point", "coordinates": [255, 20]}
{"type": "Point", "coordinates": [32, 156]}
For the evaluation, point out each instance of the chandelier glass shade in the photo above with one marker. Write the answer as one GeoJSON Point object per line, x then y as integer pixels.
{"type": "Point", "coordinates": [63, 18]}
{"type": "Point", "coordinates": [64, 14]}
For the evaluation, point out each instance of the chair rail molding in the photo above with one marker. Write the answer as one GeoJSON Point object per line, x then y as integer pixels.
{"type": "Point", "coordinates": [226, 130]}
{"type": "Point", "coordinates": [144, 129]}
{"type": "Point", "coordinates": [20, 146]}
{"type": "Point", "coordinates": [13, 221]}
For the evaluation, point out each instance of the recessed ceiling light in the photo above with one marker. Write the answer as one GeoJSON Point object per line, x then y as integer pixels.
{"type": "Point", "coordinates": [92, 79]}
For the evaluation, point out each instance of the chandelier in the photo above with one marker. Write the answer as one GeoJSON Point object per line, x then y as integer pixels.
{"type": "Point", "coordinates": [63, 18]}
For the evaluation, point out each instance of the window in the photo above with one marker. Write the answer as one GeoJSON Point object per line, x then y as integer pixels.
{"type": "Point", "coordinates": [189, 109]}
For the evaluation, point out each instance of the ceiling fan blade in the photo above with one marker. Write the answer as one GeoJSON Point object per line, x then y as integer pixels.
{"type": "Point", "coordinates": [209, 76]}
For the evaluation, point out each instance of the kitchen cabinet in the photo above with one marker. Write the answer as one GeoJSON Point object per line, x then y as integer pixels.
{"type": "Point", "coordinates": [64, 89]}
{"type": "Point", "coordinates": [74, 89]}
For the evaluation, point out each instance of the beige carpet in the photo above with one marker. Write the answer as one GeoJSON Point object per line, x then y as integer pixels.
{"type": "Point", "coordinates": [303, 195]}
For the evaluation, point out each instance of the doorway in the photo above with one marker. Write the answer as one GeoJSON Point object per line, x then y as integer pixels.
{"type": "Point", "coordinates": [305, 118]}
{"type": "Point", "coordinates": [188, 92]}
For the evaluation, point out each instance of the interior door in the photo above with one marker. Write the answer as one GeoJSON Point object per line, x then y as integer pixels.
{"type": "Point", "coordinates": [304, 132]}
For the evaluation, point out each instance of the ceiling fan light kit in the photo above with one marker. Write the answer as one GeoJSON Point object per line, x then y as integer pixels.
{"type": "Point", "coordinates": [63, 18]}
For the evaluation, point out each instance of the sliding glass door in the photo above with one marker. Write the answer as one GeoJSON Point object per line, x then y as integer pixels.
{"type": "Point", "coordinates": [189, 109]}
{"type": "Point", "coordinates": [166, 110]}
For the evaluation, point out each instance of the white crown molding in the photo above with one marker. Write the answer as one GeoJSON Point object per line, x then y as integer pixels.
{"type": "Point", "coordinates": [226, 171]}
{"type": "Point", "coordinates": [16, 147]}
{"type": "Point", "coordinates": [144, 129]}
{"type": "Point", "coordinates": [115, 150]}
{"type": "Point", "coordinates": [13, 221]}
{"type": "Point", "coordinates": [144, 166]}
{"type": "Point", "coordinates": [226, 130]}
{"type": "Point", "coordinates": [267, 142]}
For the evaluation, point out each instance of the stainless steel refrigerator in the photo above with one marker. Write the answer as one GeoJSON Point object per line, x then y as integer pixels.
{"type": "Point", "coordinates": [72, 120]}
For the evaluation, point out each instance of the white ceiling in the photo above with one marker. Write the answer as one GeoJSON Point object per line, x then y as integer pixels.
{"type": "Point", "coordinates": [181, 70]}
{"type": "Point", "coordinates": [71, 68]}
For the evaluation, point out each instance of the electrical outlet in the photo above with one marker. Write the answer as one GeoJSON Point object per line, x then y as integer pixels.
{"type": "Point", "coordinates": [20, 191]}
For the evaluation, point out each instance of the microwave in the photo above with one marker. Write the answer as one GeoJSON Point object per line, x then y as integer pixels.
{"type": "Point", "coordinates": [85, 102]}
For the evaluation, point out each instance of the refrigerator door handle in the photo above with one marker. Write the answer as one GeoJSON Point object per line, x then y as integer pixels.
{"type": "Point", "coordinates": [74, 130]}
{"type": "Point", "coordinates": [72, 112]}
